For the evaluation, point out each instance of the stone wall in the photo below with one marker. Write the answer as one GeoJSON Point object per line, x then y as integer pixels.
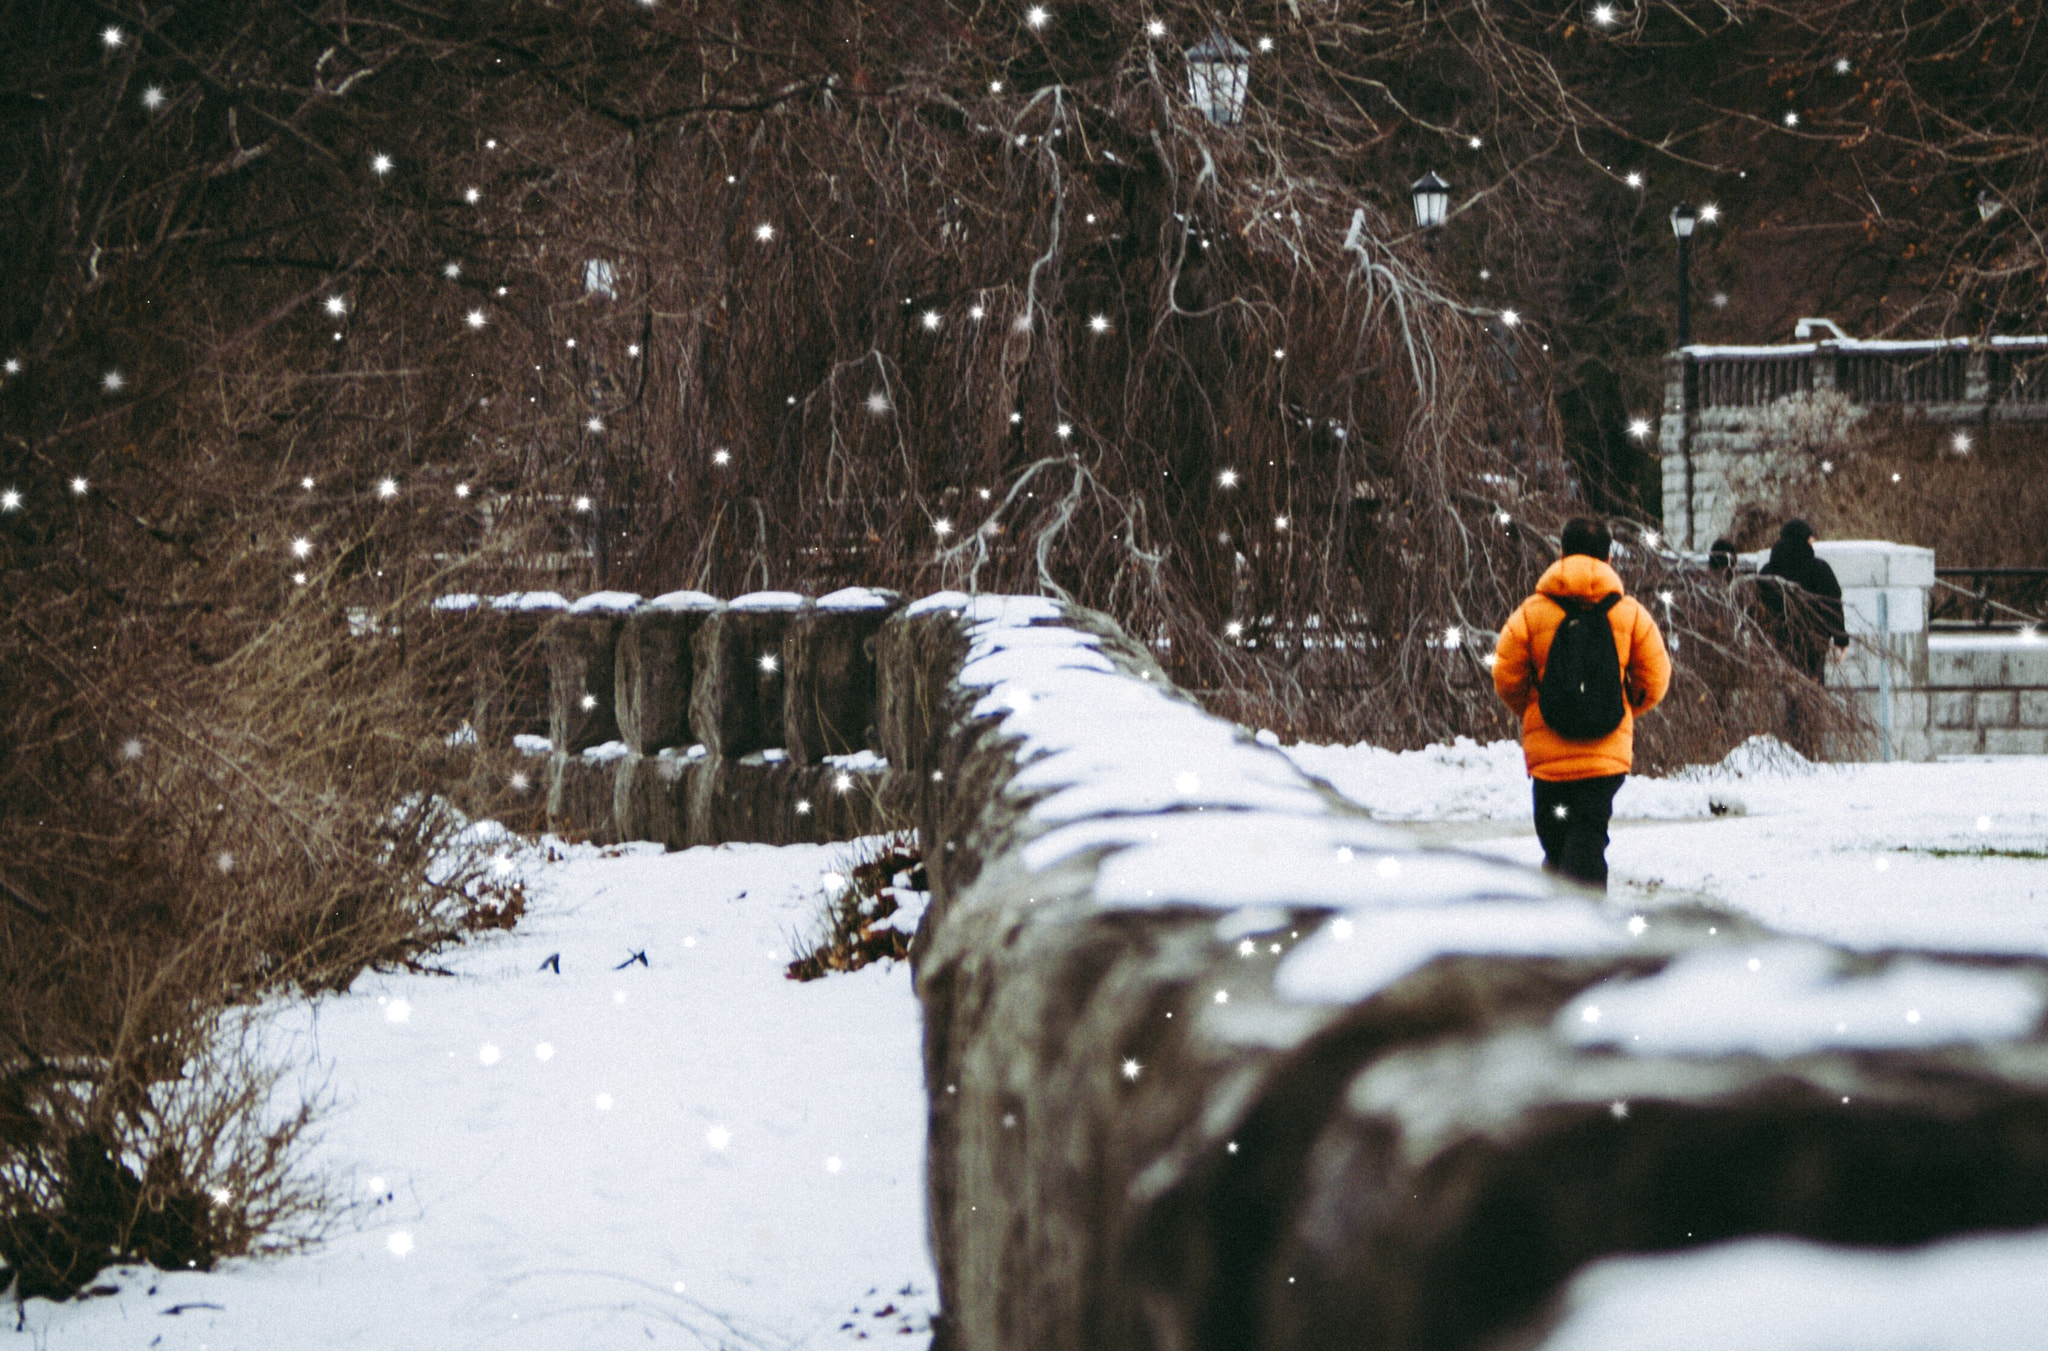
{"type": "Point", "coordinates": [665, 718]}
{"type": "Point", "coordinates": [1215, 1061]}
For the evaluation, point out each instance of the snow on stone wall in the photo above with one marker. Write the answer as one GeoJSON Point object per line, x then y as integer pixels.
{"type": "Point", "coordinates": [1214, 1059]}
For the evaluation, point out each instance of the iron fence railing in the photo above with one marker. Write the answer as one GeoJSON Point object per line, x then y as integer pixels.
{"type": "Point", "coordinates": [1988, 598]}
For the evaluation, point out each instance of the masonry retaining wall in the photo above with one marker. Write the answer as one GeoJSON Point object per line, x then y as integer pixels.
{"type": "Point", "coordinates": [1215, 1061]}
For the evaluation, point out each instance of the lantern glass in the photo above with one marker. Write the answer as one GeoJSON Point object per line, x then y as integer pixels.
{"type": "Point", "coordinates": [1432, 200]}
{"type": "Point", "coordinates": [600, 278]}
{"type": "Point", "coordinates": [1683, 218]}
{"type": "Point", "coordinates": [1988, 205]}
{"type": "Point", "coordinates": [1219, 76]}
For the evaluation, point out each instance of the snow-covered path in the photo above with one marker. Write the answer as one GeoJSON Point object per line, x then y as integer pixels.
{"type": "Point", "coordinates": [604, 1158]}
{"type": "Point", "coordinates": [694, 1153]}
{"type": "Point", "coordinates": [1950, 855]}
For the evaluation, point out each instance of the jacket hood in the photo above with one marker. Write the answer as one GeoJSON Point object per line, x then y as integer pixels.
{"type": "Point", "coordinates": [1580, 577]}
{"type": "Point", "coordinates": [1790, 550]}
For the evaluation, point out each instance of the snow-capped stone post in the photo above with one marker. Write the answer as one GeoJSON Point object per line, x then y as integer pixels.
{"type": "Point", "coordinates": [581, 686]}
{"type": "Point", "coordinates": [650, 797]}
{"type": "Point", "coordinates": [828, 690]}
{"type": "Point", "coordinates": [512, 679]}
{"type": "Point", "coordinates": [736, 695]}
{"type": "Point", "coordinates": [1884, 608]}
{"type": "Point", "coordinates": [653, 669]}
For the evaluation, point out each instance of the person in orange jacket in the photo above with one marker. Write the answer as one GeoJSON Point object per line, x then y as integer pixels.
{"type": "Point", "coordinates": [1575, 781]}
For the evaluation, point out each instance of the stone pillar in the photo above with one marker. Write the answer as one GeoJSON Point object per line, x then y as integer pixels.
{"type": "Point", "coordinates": [654, 667]}
{"type": "Point", "coordinates": [581, 645]}
{"type": "Point", "coordinates": [736, 693]}
{"type": "Point", "coordinates": [1674, 436]}
{"type": "Point", "coordinates": [828, 692]}
{"type": "Point", "coordinates": [1902, 574]}
{"type": "Point", "coordinates": [512, 674]}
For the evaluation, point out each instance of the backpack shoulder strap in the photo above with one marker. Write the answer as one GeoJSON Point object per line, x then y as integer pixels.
{"type": "Point", "coordinates": [1608, 602]}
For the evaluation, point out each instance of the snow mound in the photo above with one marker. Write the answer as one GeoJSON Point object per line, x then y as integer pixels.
{"type": "Point", "coordinates": [684, 600]}
{"type": "Point", "coordinates": [857, 598]}
{"type": "Point", "coordinates": [604, 602]}
{"type": "Point", "coordinates": [769, 600]}
{"type": "Point", "coordinates": [461, 600]}
{"type": "Point", "coordinates": [530, 600]}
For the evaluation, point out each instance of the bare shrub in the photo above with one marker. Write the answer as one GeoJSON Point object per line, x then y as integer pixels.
{"type": "Point", "coordinates": [173, 1153]}
{"type": "Point", "coordinates": [863, 921]}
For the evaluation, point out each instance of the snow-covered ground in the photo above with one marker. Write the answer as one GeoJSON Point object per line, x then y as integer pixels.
{"type": "Point", "coordinates": [698, 1152]}
{"type": "Point", "coordinates": [1948, 855]}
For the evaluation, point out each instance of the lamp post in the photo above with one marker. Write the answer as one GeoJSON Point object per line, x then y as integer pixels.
{"type": "Point", "coordinates": [1683, 218]}
{"type": "Point", "coordinates": [1219, 74]}
{"type": "Point", "coordinates": [1432, 198]}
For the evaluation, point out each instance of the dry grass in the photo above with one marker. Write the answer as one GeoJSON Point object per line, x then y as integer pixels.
{"type": "Point", "coordinates": [856, 928]}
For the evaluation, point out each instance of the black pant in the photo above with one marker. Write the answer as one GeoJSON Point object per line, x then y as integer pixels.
{"type": "Point", "coordinates": [1571, 820]}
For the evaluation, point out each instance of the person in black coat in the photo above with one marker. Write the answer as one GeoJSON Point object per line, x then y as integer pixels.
{"type": "Point", "coordinates": [1803, 609]}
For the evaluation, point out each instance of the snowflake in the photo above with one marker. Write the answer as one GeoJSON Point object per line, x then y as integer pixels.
{"type": "Point", "coordinates": [475, 319]}
{"type": "Point", "coordinates": [153, 98]}
{"type": "Point", "coordinates": [462, 490]}
{"type": "Point", "coordinates": [1131, 1068]}
{"type": "Point", "coordinates": [488, 1054]}
{"type": "Point", "coordinates": [942, 527]}
{"type": "Point", "coordinates": [1064, 430]}
{"type": "Point", "coordinates": [1279, 354]}
{"type": "Point", "coordinates": [380, 165]}
{"type": "Point", "coordinates": [113, 382]}
{"type": "Point", "coordinates": [519, 782]}
{"type": "Point", "coordinates": [224, 861]}
{"type": "Point", "coordinates": [843, 782]}
{"type": "Point", "coordinates": [302, 547]}
{"type": "Point", "coordinates": [1279, 522]}
{"type": "Point", "coordinates": [1634, 180]}
{"type": "Point", "coordinates": [595, 424]}
{"type": "Point", "coordinates": [1603, 15]}
{"type": "Point", "coordinates": [79, 487]}
{"type": "Point", "coordinates": [1791, 119]}
{"type": "Point", "coordinates": [451, 269]}
{"type": "Point", "coordinates": [1510, 318]}
{"type": "Point", "coordinates": [1247, 948]}
{"type": "Point", "coordinates": [721, 457]}
{"type": "Point", "coordinates": [472, 196]}
{"type": "Point", "coordinates": [399, 1244]}
{"type": "Point", "coordinates": [1227, 479]}
{"type": "Point", "coordinates": [1098, 323]}
{"type": "Point", "coordinates": [306, 483]}
{"type": "Point", "coordinates": [12, 366]}
{"type": "Point", "coordinates": [1636, 925]}
{"type": "Point", "coordinates": [1233, 629]}
{"type": "Point", "coordinates": [1038, 16]}
{"type": "Point", "coordinates": [1473, 142]}
{"type": "Point", "coordinates": [976, 312]}
{"type": "Point", "coordinates": [930, 321]}
{"type": "Point", "coordinates": [589, 702]}
{"type": "Point", "coordinates": [1960, 442]}
{"type": "Point", "coordinates": [764, 232]}
{"type": "Point", "coordinates": [336, 306]}
{"type": "Point", "coordinates": [1619, 1110]}
{"type": "Point", "coordinates": [1265, 44]}
{"type": "Point", "coordinates": [718, 1137]}
{"type": "Point", "coordinates": [832, 1164]}
{"type": "Point", "coordinates": [131, 749]}
{"type": "Point", "coordinates": [1711, 212]}
{"type": "Point", "coordinates": [111, 36]}
{"type": "Point", "coordinates": [1155, 29]}
{"type": "Point", "coordinates": [387, 487]}
{"type": "Point", "coordinates": [1591, 1013]}
{"type": "Point", "coordinates": [1842, 65]}
{"type": "Point", "coordinates": [1639, 427]}
{"type": "Point", "coordinates": [544, 1051]}
{"type": "Point", "coordinates": [298, 579]}
{"type": "Point", "coordinates": [1223, 996]}
{"type": "Point", "coordinates": [878, 403]}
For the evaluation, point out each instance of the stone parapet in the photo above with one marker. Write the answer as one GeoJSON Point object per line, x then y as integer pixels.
{"type": "Point", "coordinates": [1213, 1060]}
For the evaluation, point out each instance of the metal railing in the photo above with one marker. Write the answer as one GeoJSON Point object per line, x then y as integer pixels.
{"type": "Point", "coordinates": [1985, 599]}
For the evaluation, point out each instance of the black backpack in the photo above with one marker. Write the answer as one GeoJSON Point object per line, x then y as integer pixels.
{"type": "Point", "coordinates": [1579, 689]}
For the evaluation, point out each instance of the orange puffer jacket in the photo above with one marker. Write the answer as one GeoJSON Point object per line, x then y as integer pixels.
{"type": "Point", "coordinates": [1524, 647]}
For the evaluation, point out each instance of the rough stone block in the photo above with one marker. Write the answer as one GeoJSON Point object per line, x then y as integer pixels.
{"type": "Point", "coordinates": [2033, 708]}
{"type": "Point", "coordinates": [1955, 709]}
{"type": "Point", "coordinates": [2016, 741]}
{"type": "Point", "coordinates": [828, 704]}
{"type": "Point", "coordinates": [654, 669]}
{"type": "Point", "coordinates": [917, 652]}
{"type": "Point", "coordinates": [511, 668]}
{"type": "Point", "coordinates": [580, 796]}
{"type": "Point", "coordinates": [1997, 708]}
{"type": "Point", "coordinates": [1955, 741]}
{"type": "Point", "coordinates": [650, 800]}
{"type": "Point", "coordinates": [736, 695]}
{"type": "Point", "coordinates": [581, 683]}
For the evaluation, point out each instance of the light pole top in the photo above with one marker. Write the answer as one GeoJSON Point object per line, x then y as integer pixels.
{"type": "Point", "coordinates": [1683, 218]}
{"type": "Point", "coordinates": [1432, 200]}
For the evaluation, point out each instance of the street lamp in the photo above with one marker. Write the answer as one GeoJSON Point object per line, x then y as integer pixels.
{"type": "Point", "coordinates": [1683, 218]}
{"type": "Point", "coordinates": [600, 278]}
{"type": "Point", "coordinates": [1219, 73]}
{"type": "Point", "coordinates": [1988, 204]}
{"type": "Point", "coordinates": [1432, 200]}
